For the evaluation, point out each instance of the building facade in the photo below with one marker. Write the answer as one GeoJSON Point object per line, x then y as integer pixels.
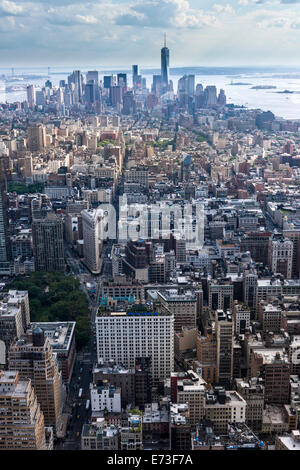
{"type": "Point", "coordinates": [123, 337]}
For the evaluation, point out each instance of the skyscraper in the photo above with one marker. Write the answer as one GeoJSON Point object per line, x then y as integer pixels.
{"type": "Point", "coordinates": [135, 72]}
{"type": "Point", "coordinates": [10, 324]}
{"type": "Point", "coordinates": [123, 337]}
{"type": "Point", "coordinates": [48, 248]}
{"type": "Point", "coordinates": [157, 84]}
{"type": "Point", "coordinates": [75, 81]}
{"type": "Point", "coordinates": [191, 85]}
{"type": "Point", "coordinates": [108, 81]}
{"type": "Point", "coordinates": [78, 83]}
{"type": "Point", "coordinates": [19, 298]}
{"type": "Point", "coordinates": [115, 94]}
{"type": "Point", "coordinates": [31, 96]}
{"type": "Point", "coordinates": [210, 96]}
{"type": "Point", "coordinates": [14, 316]}
{"type": "Point", "coordinates": [281, 255]}
{"type": "Point", "coordinates": [122, 79]}
{"type": "Point", "coordinates": [36, 138]}
{"type": "Point", "coordinates": [129, 104]}
{"type": "Point", "coordinates": [92, 228]}
{"type": "Point", "coordinates": [34, 358]}
{"type": "Point", "coordinates": [182, 305]}
{"type": "Point", "coordinates": [92, 75]}
{"type": "Point", "coordinates": [224, 333]}
{"type": "Point", "coordinates": [186, 85]}
{"type": "Point", "coordinates": [165, 54]}
{"type": "Point", "coordinates": [222, 98]}
{"type": "Point", "coordinates": [22, 421]}
{"type": "Point", "coordinates": [4, 236]}
{"type": "Point", "coordinates": [90, 92]}
{"type": "Point", "coordinates": [293, 233]}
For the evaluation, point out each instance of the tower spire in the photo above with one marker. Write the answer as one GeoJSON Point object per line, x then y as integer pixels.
{"type": "Point", "coordinates": [165, 35]}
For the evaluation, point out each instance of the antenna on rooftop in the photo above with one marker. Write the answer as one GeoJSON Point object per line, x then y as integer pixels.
{"type": "Point", "coordinates": [165, 36]}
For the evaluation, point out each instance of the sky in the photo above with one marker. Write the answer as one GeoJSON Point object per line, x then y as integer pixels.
{"type": "Point", "coordinates": [123, 32]}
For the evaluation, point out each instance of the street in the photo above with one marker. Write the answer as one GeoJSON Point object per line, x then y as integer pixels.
{"type": "Point", "coordinates": [78, 413]}
{"type": "Point", "coordinates": [82, 373]}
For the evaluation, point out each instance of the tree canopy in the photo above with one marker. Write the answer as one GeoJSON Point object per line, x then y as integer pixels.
{"type": "Point", "coordinates": [22, 188]}
{"type": "Point", "coordinates": [56, 297]}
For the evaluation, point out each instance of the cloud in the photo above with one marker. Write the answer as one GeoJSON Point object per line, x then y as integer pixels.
{"type": "Point", "coordinates": [67, 16]}
{"type": "Point", "coordinates": [136, 19]}
{"type": "Point", "coordinates": [120, 31]}
{"type": "Point", "coordinates": [8, 8]}
{"type": "Point", "coordinates": [224, 9]}
{"type": "Point", "coordinates": [270, 19]}
{"type": "Point", "coordinates": [255, 2]}
{"type": "Point", "coordinates": [87, 19]}
{"type": "Point", "coordinates": [60, 3]}
{"type": "Point", "coordinates": [7, 25]}
{"type": "Point", "coordinates": [165, 13]}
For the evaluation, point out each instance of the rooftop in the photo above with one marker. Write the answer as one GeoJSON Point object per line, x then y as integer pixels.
{"type": "Point", "coordinates": [270, 355]}
{"type": "Point", "coordinates": [60, 334]}
{"type": "Point", "coordinates": [107, 313]}
{"type": "Point", "coordinates": [172, 295]}
{"type": "Point", "coordinates": [99, 429]}
{"type": "Point", "coordinates": [274, 414]}
{"type": "Point", "coordinates": [112, 369]}
{"type": "Point", "coordinates": [289, 442]}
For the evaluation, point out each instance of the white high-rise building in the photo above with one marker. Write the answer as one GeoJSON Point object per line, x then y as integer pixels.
{"type": "Point", "coordinates": [4, 152]}
{"type": "Point", "coordinates": [241, 315]}
{"type": "Point", "coordinates": [281, 255]}
{"type": "Point", "coordinates": [92, 228]}
{"type": "Point", "coordinates": [122, 337]}
{"type": "Point", "coordinates": [31, 98]}
{"type": "Point", "coordinates": [105, 397]}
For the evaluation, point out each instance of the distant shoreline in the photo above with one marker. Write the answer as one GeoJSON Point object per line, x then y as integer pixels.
{"type": "Point", "coordinates": [263, 87]}
{"type": "Point", "coordinates": [239, 84]}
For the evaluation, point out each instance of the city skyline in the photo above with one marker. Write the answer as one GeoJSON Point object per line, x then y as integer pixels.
{"type": "Point", "coordinates": [234, 32]}
{"type": "Point", "coordinates": [149, 228]}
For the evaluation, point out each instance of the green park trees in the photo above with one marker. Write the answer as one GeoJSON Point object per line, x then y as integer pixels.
{"type": "Point", "coordinates": [56, 297]}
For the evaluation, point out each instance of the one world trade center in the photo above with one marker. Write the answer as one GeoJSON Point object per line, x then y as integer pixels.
{"type": "Point", "coordinates": [165, 53]}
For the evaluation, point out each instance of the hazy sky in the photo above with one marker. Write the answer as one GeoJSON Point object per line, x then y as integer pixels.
{"type": "Point", "coordinates": [123, 32]}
